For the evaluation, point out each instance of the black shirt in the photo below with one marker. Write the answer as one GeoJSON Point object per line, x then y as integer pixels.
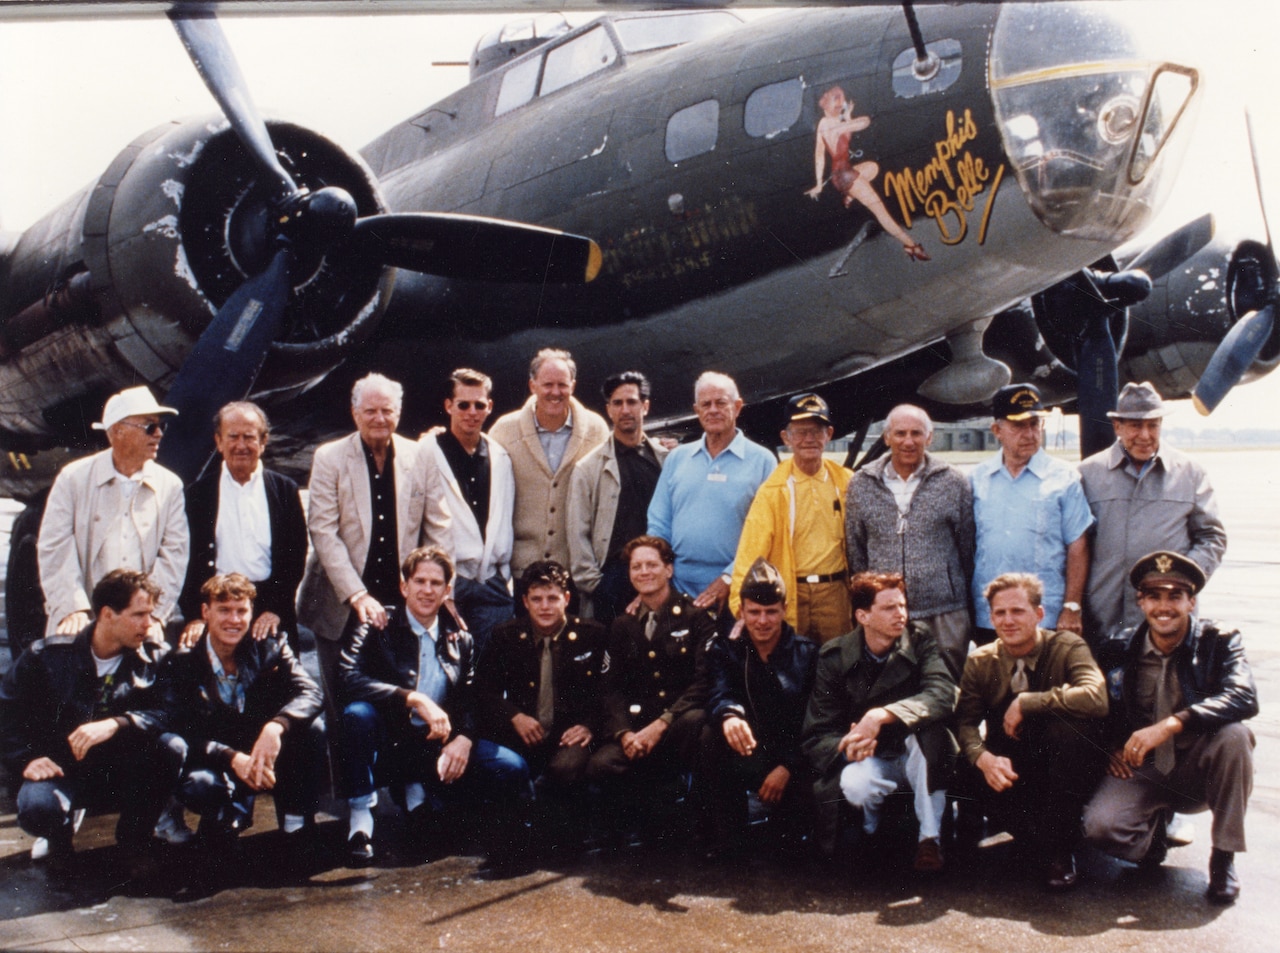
{"type": "Point", "coordinates": [472, 473]}
{"type": "Point", "coordinates": [381, 574]}
{"type": "Point", "coordinates": [638, 469]}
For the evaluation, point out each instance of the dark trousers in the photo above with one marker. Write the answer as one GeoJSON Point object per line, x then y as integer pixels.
{"type": "Point", "coordinates": [612, 593]}
{"type": "Point", "coordinates": [373, 758]}
{"type": "Point", "coordinates": [725, 779]}
{"type": "Point", "coordinates": [129, 773]}
{"type": "Point", "coordinates": [628, 787]}
{"type": "Point", "coordinates": [224, 802]}
{"type": "Point", "coordinates": [482, 605]}
{"type": "Point", "coordinates": [1059, 761]}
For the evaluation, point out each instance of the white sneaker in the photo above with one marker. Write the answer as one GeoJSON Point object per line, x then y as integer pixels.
{"type": "Point", "coordinates": [40, 848]}
{"type": "Point", "coordinates": [1181, 831]}
{"type": "Point", "coordinates": [172, 827]}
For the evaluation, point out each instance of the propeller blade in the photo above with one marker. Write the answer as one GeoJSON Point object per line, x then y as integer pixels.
{"type": "Point", "coordinates": [1175, 248]}
{"type": "Point", "coordinates": [1098, 385]}
{"type": "Point", "coordinates": [481, 249]}
{"type": "Point", "coordinates": [224, 364]}
{"type": "Point", "coordinates": [1257, 174]}
{"type": "Point", "coordinates": [1238, 350]}
{"type": "Point", "coordinates": [211, 54]}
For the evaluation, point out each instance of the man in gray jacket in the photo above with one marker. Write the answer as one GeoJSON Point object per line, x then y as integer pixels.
{"type": "Point", "coordinates": [1146, 496]}
{"type": "Point", "coordinates": [912, 514]}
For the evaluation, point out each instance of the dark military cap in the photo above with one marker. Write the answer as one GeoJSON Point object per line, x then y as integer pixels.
{"type": "Point", "coordinates": [807, 407]}
{"type": "Point", "coordinates": [764, 584]}
{"type": "Point", "coordinates": [1017, 402]}
{"type": "Point", "coordinates": [1166, 570]}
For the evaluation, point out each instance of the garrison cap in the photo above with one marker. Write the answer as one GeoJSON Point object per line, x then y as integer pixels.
{"type": "Point", "coordinates": [807, 407]}
{"type": "Point", "coordinates": [1167, 570]}
{"type": "Point", "coordinates": [1017, 402]}
{"type": "Point", "coordinates": [763, 584]}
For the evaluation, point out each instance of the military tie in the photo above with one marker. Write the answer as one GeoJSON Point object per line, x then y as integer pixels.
{"type": "Point", "coordinates": [546, 690]}
{"type": "Point", "coordinates": [1164, 755]}
{"type": "Point", "coordinates": [650, 626]}
{"type": "Point", "coordinates": [1019, 683]}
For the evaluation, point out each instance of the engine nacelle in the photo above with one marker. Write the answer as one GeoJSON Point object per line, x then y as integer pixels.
{"type": "Point", "coordinates": [1175, 332]}
{"type": "Point", "coordinates": [115, 286]}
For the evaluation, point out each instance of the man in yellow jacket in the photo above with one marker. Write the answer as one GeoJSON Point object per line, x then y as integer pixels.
{"type": "Point", "coordinates": [796, 522]}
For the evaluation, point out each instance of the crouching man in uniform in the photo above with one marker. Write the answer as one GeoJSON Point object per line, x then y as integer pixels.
{"type": "Point", "coordinates": [74, 723]}
{"type": "Point", "coordinates": [1180, 691]}
{"type": "Point", "coordinates": [760, 683]}
{"type": "Point", "coordinates": [409, 717]}
{"type": "Point", "coordinates": [539, 688]}
{"type": "Point", "coordinates": [655, 691]}
{"type": "Point", "coordinates": [245, 710]}
{"type": "Point", "coordinates": [1041, 697]}
{"type": "Point", "coordinates": [877, 718]}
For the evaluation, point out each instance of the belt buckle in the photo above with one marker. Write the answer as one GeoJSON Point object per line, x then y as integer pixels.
{"type": "Point", "coordinates": [813, 579]}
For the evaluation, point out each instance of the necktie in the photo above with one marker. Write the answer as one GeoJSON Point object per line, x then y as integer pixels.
{"type": "Point", "coordinates": [650, 626]}
{"type": "Point", "coordinates": [1164, 755]}
{"type": "Point", "coordinates": [1019, 682]}
{"type": "Point", "coordinates": [546, 690]}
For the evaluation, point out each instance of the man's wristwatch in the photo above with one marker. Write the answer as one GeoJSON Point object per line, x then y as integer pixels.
{"type": "Point", "coordinates": [1071, 606]}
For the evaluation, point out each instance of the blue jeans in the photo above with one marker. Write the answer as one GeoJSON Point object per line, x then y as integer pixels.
{"type": "Point", "coordinates": [223, 800]}
{"type": "Point", "coordinates": [372, 758]}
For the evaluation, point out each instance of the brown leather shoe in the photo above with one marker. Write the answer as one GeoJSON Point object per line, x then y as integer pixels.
{"type": "Point", "coordinates": [1061, 872]}
{"type": "Point", "coordinates": [1224, 885]}
{"type": "Point", "coordinates": [928, 856]}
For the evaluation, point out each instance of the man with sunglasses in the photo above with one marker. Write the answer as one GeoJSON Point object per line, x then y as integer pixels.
{"type": "Point", "coordinates": [479, 493]}
{"type": "Point", "coordinates": [117, 509]}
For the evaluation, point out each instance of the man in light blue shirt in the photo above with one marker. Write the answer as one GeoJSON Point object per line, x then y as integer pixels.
{"type": "Point", "coordinates": [1031, 515]}
{"type": "Point", "coordinates": [705, 491]}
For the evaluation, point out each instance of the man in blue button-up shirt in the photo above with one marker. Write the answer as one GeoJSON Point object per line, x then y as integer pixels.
{"type": "Point", "coordinates": [1030, 513]}
{"type": "Point", "coordinates": [705, 491]}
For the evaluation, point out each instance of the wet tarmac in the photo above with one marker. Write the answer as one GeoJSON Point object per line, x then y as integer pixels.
{"type": "Point", "coordinates": [663, 897]}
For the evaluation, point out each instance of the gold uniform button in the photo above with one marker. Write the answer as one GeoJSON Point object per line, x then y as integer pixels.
{"type": "Point", "coordinates": [573, 636]}
{"type": "Point", "coordinates": [652, 654]}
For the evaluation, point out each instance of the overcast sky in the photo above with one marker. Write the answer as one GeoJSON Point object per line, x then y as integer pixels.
{"type": "Point", "coordinates": [73, 93]}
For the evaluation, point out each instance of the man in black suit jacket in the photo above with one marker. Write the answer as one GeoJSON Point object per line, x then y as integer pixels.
{"type": "Point", "coordinates": [246, 519]}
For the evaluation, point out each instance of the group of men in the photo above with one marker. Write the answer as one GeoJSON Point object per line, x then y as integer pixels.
{"type": "Point", "coordinates": [563, 618]}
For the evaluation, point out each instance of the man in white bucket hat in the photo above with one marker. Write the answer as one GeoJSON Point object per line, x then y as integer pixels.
{"type": "Point", "coordinates": [117, 509]}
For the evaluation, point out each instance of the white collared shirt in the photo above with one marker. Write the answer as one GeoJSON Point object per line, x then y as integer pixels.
{"type": "Point", "coordinates": [902, 490]}
{"type": "Point", "coordinates": [122, 546]}
{"type": "Point", "coordinates": [243, 532]}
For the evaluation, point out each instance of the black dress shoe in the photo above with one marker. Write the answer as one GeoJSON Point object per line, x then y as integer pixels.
{"type": "Point", "coordinates": [360, 849]}
{"type": "Point", "coordinates": [1061, 872]}
{"type": "Point", "coordinates": [1159, 849]}
{"type": "Point", "coordinates": [1224, 885]}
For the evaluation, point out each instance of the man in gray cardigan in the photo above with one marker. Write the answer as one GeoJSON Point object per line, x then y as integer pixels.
{"type": "Point", "coordinates": [912, 514]}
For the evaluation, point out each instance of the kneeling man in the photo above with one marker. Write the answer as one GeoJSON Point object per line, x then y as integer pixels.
{"type": "Point", "coordinates": [760, 683]}
{"type": "Point", "coordinates": [1180, 689]}
{"type": "Point", "coordinates": [246, 710]}
{"type": "Point", "coordinates": [408, 717]}
{"type": "Point", "coordinates": [877, 717]}
{"type": "Point", "coordinates": [1041, 697]}
{"type": "Point", "coordinates": [74, 722]}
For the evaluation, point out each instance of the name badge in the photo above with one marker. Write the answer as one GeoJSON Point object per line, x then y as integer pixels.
{"type": "Point", "coordinates": [717, 478]}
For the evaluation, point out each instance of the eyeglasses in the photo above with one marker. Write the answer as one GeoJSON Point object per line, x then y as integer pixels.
{"type": "Point", "coordinates": [468, 404]}
{"type": "Point", "coordinates": [153, 429]}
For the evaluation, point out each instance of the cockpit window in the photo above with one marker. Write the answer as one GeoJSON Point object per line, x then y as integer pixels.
{"type": "Point", "coordinates": [519, 84]}
{"type": "Point", "coordinates": [642, 33]}
{"type": "Point", "coordinates": [693, 130]}
{"type": "Point", "coordinates": [774, 108]}
{"type": "Point", "coordinates": [580, 57]}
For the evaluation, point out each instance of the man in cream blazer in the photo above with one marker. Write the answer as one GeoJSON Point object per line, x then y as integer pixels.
{"type": "Point", "coordinates": [360, 485]}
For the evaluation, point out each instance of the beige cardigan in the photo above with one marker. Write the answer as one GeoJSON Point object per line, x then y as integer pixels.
{"type": "Point", "coordinates": [542, 497]}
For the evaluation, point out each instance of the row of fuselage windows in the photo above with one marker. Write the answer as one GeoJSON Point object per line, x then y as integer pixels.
{"type": "Point", "coordinates": [691, 131]}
